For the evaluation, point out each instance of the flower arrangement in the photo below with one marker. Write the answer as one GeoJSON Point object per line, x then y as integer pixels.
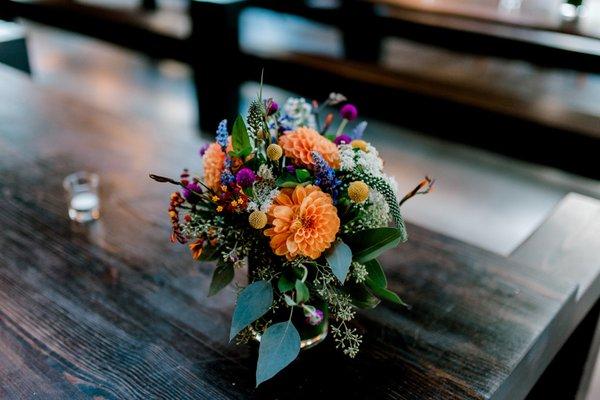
{"type": "Point", "coordinates": [307, 210]}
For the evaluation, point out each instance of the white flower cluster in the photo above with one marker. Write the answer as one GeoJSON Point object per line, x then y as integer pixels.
{"type": "Point", "coordinates": [379, 210]}
{"type": "Point", "coordinates": [369, 161]}
{"type": "Point", "coordinates": [264, 190]}
{"type": "Point", "coordinates": [299, 113]}
{"type": "Point", "coordinates": [265, 172]}
{"type": "Point", "coordinates": [347, 156]}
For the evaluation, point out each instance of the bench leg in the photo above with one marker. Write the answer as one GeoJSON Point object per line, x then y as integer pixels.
{"type": "Point", "coordinates": [215, 59]}
{"type": "Point", "coordinates": [14, 53]}
{"type": "Point", "coordinates": [361, 42]}
{"type": "Point", "coordinates": [148, 5]}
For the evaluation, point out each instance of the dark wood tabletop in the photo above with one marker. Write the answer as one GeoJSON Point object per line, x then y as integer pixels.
{"type": "Point", "coordinates": [114, 310]}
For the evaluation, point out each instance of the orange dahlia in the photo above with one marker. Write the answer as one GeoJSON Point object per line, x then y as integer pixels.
{"type": "Point", "coordinates": [214, 162]}
{"type": "Point", "coordinates": [299, 143]}
{"type": "Point", "coordinates": [305, 222]}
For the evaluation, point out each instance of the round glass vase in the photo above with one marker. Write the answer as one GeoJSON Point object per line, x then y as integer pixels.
{"type": "Point", "coordinates": [310, 335]}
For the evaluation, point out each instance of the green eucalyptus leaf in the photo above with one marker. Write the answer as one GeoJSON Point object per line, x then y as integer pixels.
{"type": "Point", "coordinates": [302, 293]}
{"type": "Point", "coordinates": [339, 258]}
{"type": "Point", "coordinates": [376, 277]}
{"type": "Point", "coordinates": [370, 243]}
{"type": "Point", "coordinates": [222, 276]}
{"type": "Point", "coordinates": [253, 302]}
{"type": "Point", "coordinates": [279, 346]}
{"type": "Point", "coordinates": [240, 139]}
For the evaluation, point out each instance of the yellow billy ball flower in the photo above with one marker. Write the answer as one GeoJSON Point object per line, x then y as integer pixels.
{"type": "Point", "coordinates": [359, 144]}
{"type": "Point", "coordinates": [358, 191]}
{"type": "Point", "coordinates": [257, 219]}
{"type": "Point", "coordinates": [274, 151]}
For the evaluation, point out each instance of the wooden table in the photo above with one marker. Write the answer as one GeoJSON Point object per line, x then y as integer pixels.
{"type": "Point", "coordinates": [113, 310]}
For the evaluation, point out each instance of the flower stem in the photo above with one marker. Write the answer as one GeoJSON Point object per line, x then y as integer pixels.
{"type": "Point", "coordinates": [340, 128]}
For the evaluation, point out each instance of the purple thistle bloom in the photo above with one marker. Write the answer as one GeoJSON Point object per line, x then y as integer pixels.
{"type": "Point", "coordinates": [290, 169]}
{"type": "Point", "coordinates": [190, 191]}
{"type": "Point", "coordinates": [358, 131]}
{"type": "Point", "coordinates": [245, 177]}
{"type": "Point", "coordinates": [271, 107]}
{"type": "Point", "coordinates": [203, 149]}
{"type": "Point", "coordinates": [342, 139]}
{"type": "Point", "coordinates": [349, 112]}
{"type": "Point", "coordinates": [325, 175]}
{"type": "Point", "coordinates": [222, 133]}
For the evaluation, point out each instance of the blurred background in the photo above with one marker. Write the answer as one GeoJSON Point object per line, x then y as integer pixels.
{"type": "Point", "coordinates": [499, 100]}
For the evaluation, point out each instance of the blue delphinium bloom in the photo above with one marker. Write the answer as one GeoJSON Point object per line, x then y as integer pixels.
{"type": "Point", "coordinates": [325, 175]}
{"type": "Point", "coordinates": [227, 177]}
{"type": "Point", "coordinates": [357, 133]}
{"type": "Point", "coordinates": [286, 123]}
{"type": "Point", "coordinates": [222, 133]}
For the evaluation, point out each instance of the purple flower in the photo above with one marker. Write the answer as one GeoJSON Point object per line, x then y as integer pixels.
{"type": "Point", "coordinates": [314, 317]}
{"type": "Point", "coordinates": [203, 149]}
{"type": "Point", "coordinates": [290, 169]}
{"type": "Point", "coordinates": [190, 191]}
{"type": "Point", "coordinates": [342, 139]}
{"type": "Point", "coordinates": [325, 175]}
{"type": "Point", "coordinates": [349, 112]}
{"type": "Point", "coordinates": [245, 177]}
{"type": "Point", "coordinates": [271, 107]}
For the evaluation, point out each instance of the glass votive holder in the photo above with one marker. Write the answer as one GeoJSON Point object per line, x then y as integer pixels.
{"type": "Point", "coordinates": [82, 191]}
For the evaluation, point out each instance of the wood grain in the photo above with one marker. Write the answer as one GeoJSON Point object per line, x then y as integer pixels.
{"type": "Point", "coordinates": [115, 311]}
{"type": "Point", "coordinates": [566, 246]}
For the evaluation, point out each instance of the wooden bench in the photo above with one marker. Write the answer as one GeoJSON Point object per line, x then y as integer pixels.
{"type": "Point", "coordinates": [472, 113]}
{"type": "Point", "coordinates": [509, 121]}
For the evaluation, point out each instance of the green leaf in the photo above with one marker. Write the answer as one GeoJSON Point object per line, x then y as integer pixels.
{"type": "Point", "coordinates": [361, 297]}
{"type": "Point", "coordinates": [222, 276]}
{"type": "Point", "coordinates": [370, 243]}
{"type": "Point", "coordinates": [286, 180]}
{"type": "Point", "coordinates": [386, 294]}
{"type": "Point", "coordinates": [289, 301]}
{"type": "Point", "coordinates": [302, 175]}
{"type": "Point", "coordinates": [377, 283]}
{"type": "Point", "coordinates": [339, 258]}
{"type": "Point", "coordinates": [240, 139]}
{"type": "Point", "coordinates": [253, 302]}
{"type": "Point", "coordinates": [302, 293]}
{"type": "Point", "coordinates": [376, 277]}
{"type": "Point", "coordinates": [284, 284]}
{"type": "Point", "coordinates": [289, 184]}
{"type": "Point", "coordinates": [279, 346]}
